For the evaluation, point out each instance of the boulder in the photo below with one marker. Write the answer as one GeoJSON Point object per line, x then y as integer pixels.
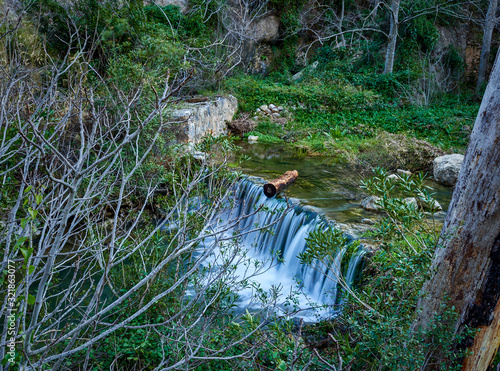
{"type": "Point", "coordinates": [446, 168]}
{"type": "Point", "coordinates": [253, 138]}
{"type": "Point", "coordinates": [370, 203]}
{"type": "Point", "coordinates": [197, 120]}
{"type": "Point", "coordinates": [266, 29]}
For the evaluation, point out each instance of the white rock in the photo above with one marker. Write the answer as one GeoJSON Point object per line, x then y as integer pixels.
{"type": "Point", "coordinates": [275, 115]}
{"type": "Point", "coordinates": [370, 203]}
{"type": "Point", "coordinates": [411, 201]}
{"type": "Point", "coordinates": [253, 138]}
{"type": "Point", "coordinates": [280, 108]}
{"type": "Point", "coordinates": [207, 118]}
{"type": "Point", "coordinates": [264, 107]}
{"type": "Point", "coordinates": [258, 110]}
{"type": "Point", "coordinates": [272, 107]}
{"type": "Point", "coordinates": [447, 168]}
{"type": "Point", "coordinates": [403, 172]}
{"type": "Point", "coordinates": [394, 177]}
{"type": "Point", "coordinates": [202, 156]}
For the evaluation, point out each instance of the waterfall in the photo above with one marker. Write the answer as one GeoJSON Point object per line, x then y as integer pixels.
{"type": "Point", "coordinates": [286, 241]}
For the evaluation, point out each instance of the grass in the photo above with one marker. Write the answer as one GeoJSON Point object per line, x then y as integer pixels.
{"type": "Point", "coordinates": [331, 114]}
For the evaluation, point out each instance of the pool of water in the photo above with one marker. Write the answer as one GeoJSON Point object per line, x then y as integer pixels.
{"type": "Point", "coordinates": [325, 185]}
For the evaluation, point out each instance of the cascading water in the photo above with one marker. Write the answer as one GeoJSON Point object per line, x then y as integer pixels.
{"type": "Point", "coordinates": [287, 240]}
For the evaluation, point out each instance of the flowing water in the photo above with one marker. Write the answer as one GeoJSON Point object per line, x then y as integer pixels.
{"type": "Point", "coordinates": [278, 248]}
{"type": "Point", "coordinates": [324, 192]}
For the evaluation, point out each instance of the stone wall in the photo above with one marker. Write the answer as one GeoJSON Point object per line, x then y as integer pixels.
{"type": "Point", "coordinates": [196, 120]}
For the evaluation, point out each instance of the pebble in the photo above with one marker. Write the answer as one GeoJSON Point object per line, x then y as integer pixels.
{"type": "Point", "coordinates": [394, 177]}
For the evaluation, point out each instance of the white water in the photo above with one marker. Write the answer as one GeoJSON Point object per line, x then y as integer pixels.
{"type": "Point", "coordinates": [287, 239]}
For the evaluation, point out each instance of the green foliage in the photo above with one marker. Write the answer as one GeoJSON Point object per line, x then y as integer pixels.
{"type": "Point", "coordinates": [358, 105]}
{"type": "Point", "coordinates": [454, 61]}
{"type": "Point", "coordinates": [375, 329]}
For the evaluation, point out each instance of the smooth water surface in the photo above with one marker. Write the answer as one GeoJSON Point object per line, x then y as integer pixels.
{"type": "Point", "coordinates": [324, 184]}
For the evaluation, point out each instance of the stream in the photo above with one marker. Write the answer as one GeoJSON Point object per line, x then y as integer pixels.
{"type": "Point", "coordinates": [325, 193]}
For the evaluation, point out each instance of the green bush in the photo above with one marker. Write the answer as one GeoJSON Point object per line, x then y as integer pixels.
{"type": "Point", "coordinates": [374, 332]}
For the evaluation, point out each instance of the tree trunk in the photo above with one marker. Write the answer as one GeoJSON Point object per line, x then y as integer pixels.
{"type": "Point", "coordinates": [489, 25]}
{"type": "Point", "coordinates": [393, 37]}
{"type": "Point", "coordinates": [278, 184]}
{"type": "Point", "coordinates": [467, 260]}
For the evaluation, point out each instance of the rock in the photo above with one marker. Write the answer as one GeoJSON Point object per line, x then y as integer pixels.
{"type": "Point", "coordinates": [181, 115]}
{"type": "Point", "coordinates": [367, 221]}
{"type": "Point", "coordinates": [411, 201]}
{"type": "Point", "coordinates": [447, 168]}
{"type": "Point", "coordinates": [266, 29]}
{"type": "Point", "coordinates": [370, 248]}
{"type": "Point", "coordinates": [272, 107]}
{"type": "Point", "coordinates": [197, 120]}
{"type": "Point", "coordinates": [253, 138]}
{"type": "Point", "coordinates": [440, 215]}
{"type": "Point", "coordinates": [276, 115]}
{"type": "Point", "coordinates": [370, 203]}
{"type": "Point", "coordinates": [258, 110]}
{"type": "Point", "coordinates": [428, 206]}
{"type": "Point", "coordinates": [280, 108]}
{"type": "Point", "coordinates": [403, 172]}
{"type": "Point", "coordinates": [182, 4]}
{"type": "Point", "coordinates": [394, 177]}
{"type": "Point", "coordinates": [264, 107]}
{"type": "Point", "coordinates": [202, 156]}
{"type": "Point", "coordinates": [354, 230]}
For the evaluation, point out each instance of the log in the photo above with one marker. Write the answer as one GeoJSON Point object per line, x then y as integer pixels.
{"type": "Point", "coordinates": [277, 185]}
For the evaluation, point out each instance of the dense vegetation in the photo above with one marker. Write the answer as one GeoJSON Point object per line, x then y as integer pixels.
{"type": "Point", "coordinates": [89, 165]}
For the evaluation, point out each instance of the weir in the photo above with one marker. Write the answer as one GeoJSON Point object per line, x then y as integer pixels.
{"type": "Point", "coordinates": [284, 241]}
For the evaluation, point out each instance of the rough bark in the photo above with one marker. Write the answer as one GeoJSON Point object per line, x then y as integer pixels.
{"type": "Point", "coordinates": [277, 185]}
{"type": "Point", "coordinates": [393, 37]}
{"type": "Point", "coordinates": [466, 264]}
{"type": "Point", "coordinates": [489, 25]}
